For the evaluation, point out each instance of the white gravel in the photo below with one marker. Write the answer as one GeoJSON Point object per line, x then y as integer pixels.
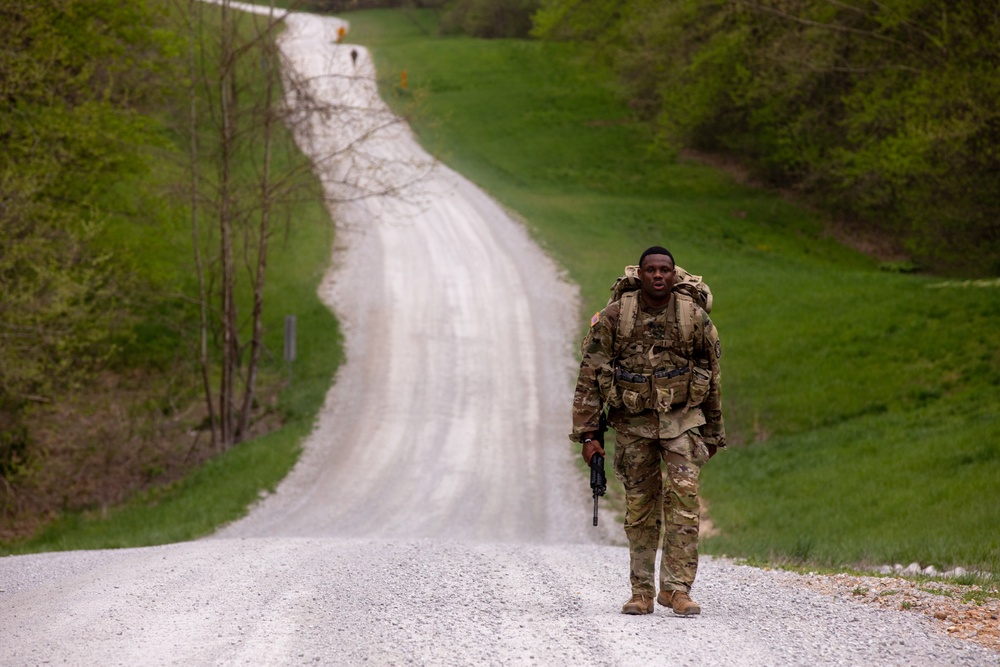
{"type": "Point", "coordinates": [436, 516]}
{"type": "Point", "coordinates": [353, 601]}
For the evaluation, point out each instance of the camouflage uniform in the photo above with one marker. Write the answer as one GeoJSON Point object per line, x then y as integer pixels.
{"type": "Point", "coordinates": [655, 426]}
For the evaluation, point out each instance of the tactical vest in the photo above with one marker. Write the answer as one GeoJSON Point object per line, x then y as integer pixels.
{"type": "Point", "coordinates": [650, 373]}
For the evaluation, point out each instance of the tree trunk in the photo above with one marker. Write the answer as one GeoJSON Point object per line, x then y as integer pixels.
{"type": "Point", "coordinates": [256, 340]}
{"type": "Point", "coordinates": [199, 265]}
{"type": "Point", "coordinates": [229, 334]}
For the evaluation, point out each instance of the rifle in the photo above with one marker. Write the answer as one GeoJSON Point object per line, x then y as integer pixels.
{"type": "Point", "coordinates": [598, 480]}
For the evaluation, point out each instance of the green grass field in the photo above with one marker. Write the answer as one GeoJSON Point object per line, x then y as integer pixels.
{"type": "Point", "coordinates": [863, 404]}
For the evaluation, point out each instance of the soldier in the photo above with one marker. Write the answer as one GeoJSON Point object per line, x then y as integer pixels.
{"type": "Point", "coordinates": [652, 359]}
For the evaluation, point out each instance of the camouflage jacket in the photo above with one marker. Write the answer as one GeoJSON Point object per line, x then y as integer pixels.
{"type": "Point", "coordinates": [644, 352]}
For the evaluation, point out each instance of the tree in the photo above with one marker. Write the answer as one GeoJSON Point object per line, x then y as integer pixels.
{"type": "Point", "coordinates": [251, 98]}
{"type": "Point", "coordinates": [70, 126]}
{"type": "Point", "coordinates": [881, 112]}
{"type": "Point", "coordinates": [490, 18]}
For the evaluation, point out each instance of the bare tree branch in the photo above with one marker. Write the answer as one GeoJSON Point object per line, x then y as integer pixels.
{"type": "Point", "coordinates": [349, 146]}
{"type": "Point", "coordinates": [833, 27]}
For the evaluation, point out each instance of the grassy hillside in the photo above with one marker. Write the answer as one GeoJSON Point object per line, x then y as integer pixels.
{"type": "Point", "coordinates": [863, 404]}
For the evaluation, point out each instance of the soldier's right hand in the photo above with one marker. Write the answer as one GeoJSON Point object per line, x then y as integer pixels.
{"type": "Point", "coordinates": [589, 447]}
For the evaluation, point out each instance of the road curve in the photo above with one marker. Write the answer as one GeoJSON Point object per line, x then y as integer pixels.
{"type": "Point", "coordinates": [449, 417]}
{"type": "Point", "coordinates": [435, 516]}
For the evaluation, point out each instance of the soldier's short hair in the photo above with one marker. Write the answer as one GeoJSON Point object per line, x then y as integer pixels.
{"type": "Point", "coordinates": [657, 250]}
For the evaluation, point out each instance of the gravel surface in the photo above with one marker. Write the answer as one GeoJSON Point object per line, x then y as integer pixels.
{"type": "Point", "coordinates": [436, 516]}
{"type": "Point", "coordinates": [960, 610]}
{"type": "Point", "coordinates": [352, 601]}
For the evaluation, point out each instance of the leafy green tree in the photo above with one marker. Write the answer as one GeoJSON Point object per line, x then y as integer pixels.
{"type": "Point", "coordinates": [73, 75]}
{"type": "Point", "coordinates": [884, 112]}
{"type": "Point", "coordinates": [490, 18]}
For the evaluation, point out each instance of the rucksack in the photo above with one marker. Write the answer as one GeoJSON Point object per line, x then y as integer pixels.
{"type": "Point", "coordinates": [687, 287]}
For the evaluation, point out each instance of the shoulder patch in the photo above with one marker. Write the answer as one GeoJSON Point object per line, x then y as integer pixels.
{"type": "Point", "coordinates": [596, 318]}
{"type": "Point", "coordinates": [718, 350]}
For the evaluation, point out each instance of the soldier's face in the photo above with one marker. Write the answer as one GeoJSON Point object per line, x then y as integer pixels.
{"type": "Point", "coordinates": [656, 278]}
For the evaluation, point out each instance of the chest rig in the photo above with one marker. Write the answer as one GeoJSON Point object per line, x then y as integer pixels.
{"type": "Point", "coordinates": [653, 367]}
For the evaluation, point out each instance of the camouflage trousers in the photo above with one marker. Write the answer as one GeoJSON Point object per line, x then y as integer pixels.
{"type": "Point", "coordinates": [661, 503]}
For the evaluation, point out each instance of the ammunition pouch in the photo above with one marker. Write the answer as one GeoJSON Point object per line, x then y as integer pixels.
{"type": "Point", "coordinates": [671, 387]}
{"type": "Point", "coordinates": [634, 390]}
{"type": "Point", "coordinates": [661, 391]}
{"type": "Point", "coordinates": [698, 389]}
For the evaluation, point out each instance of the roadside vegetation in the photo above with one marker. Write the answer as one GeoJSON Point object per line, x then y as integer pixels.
{"type": "Point", "coordinates": [106, 437]}
{"type": "Point", "coordinates": [883, 113]}
{"type": "Point", "coordinates": [862, 404]}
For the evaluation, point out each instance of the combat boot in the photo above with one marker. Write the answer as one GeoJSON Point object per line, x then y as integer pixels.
{"type": "Point", "coordinates": [638, 604]}
{"type": "Point", "coordinates": [680, 602]}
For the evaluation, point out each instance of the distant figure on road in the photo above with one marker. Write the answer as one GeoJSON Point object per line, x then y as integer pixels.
{"type": "Point", "coordinates": [651, 359]}
{"type": "Point", "coordinates": [354, 57]}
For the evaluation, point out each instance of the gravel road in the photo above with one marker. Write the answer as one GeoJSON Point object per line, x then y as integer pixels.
{"type": "Point", "coordinates": [436, 516]}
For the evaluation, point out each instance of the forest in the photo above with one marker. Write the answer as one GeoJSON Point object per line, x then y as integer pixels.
{"type": "Point", "coordinates": [884, 115]}
{"type": "Point", "coordinates": [151, 198]}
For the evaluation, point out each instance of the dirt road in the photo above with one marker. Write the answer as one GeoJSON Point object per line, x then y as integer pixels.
{"type": "Point", "coordinates": [436, 516]}
{"type": "Point", "coordinates": [449, 418]}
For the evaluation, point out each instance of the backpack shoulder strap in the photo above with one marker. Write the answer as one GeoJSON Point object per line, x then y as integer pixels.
{"type": "Point", "coordinates": [686, 310]}
{"type": "Point", "coordinates": [628, 310]}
